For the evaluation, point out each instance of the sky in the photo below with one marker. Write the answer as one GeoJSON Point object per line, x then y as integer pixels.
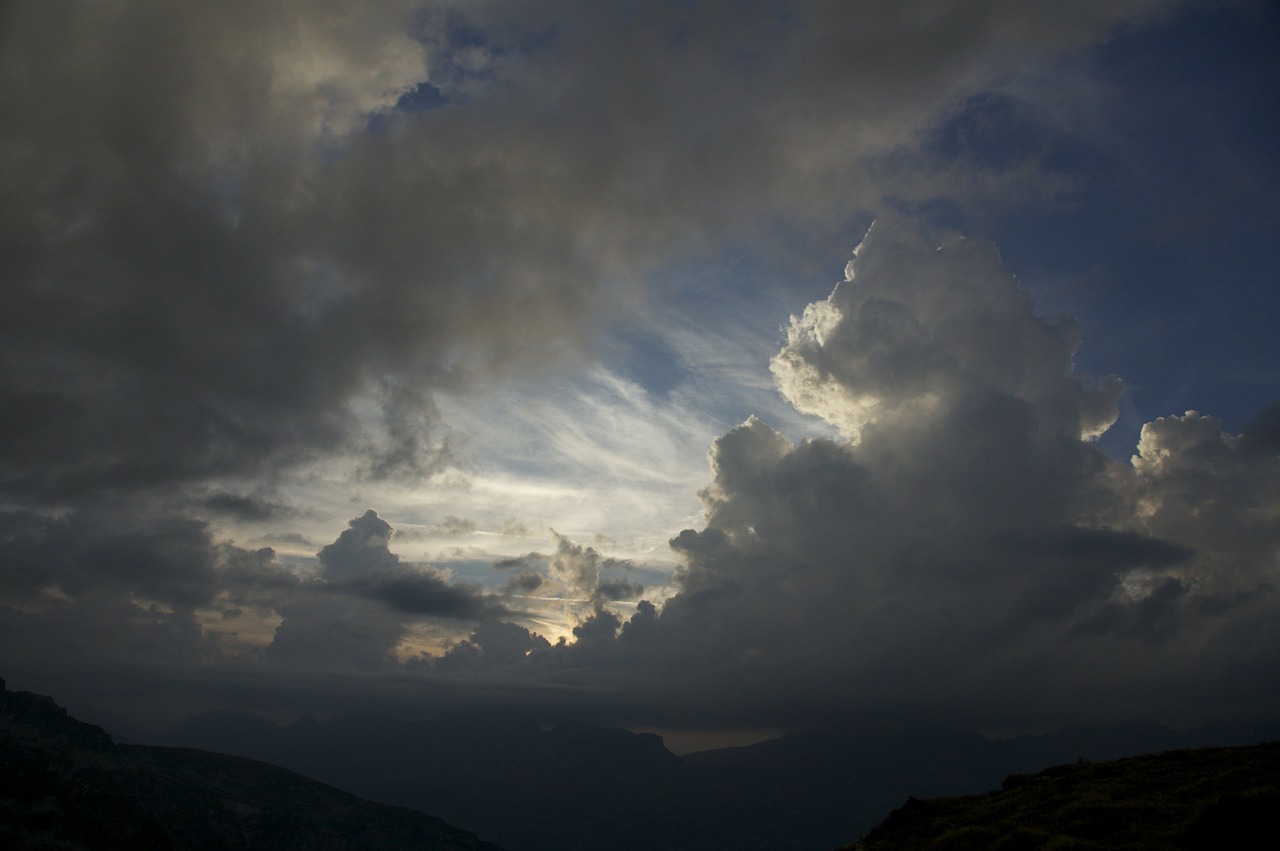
{"type": "Point", "coordinates": [680, 366]}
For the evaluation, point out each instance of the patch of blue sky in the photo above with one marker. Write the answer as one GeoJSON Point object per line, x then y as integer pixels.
{"type": "Point", "coordinates": [705, 341]}
{"type": "Point", "coordinates": [638, 355]}
{"type": "Point", "coordinates": [422, 98]}
{"type": "Point", "coordinates": [475, 572]}
{"type": "Point", "coordinates": [1162, 241]}
{"type": "Point", "coordinates": [1181, 233]}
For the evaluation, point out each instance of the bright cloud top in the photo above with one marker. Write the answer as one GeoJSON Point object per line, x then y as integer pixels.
{"type": "Point", "coordinates": [913, 333]}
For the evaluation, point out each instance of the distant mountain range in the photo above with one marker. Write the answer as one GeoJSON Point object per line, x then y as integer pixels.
{"type": "Point", "coordinates": [585, 788]}
{"type": "Point", "coordinates": [1209, 798]}
{"type": "Point", "coordinates": [65, 784]}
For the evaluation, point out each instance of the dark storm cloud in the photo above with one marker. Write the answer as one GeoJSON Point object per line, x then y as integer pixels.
{"type": "Point", "coordinates": [360, 563]}
{"type": "Point", "coordinates": [214, 264]}
{"type": "Point", "coordinates": [490, 645]}
{"type": "Point", "coordinates": [355, 617]}
{"type": "Point", "coordinates": [250, 508]}
{"type": "Point", "coordinates": [166, 559]}
{"type": "Point", "coordinates": [1262, 434]}
{"type": "Point", "coordinates": [320, 632]}
{"type": "Point", "coordinates": [214, 271]}
{"type": "Point", "coordinates": [91, 594]}
{"type": "Point", "coordinates": [618, 589]}
{"type": "Point", "coordinates": [420, 591]}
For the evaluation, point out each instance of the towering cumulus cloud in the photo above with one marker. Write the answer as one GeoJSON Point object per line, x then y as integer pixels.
{"type": "Point", "coordinates": [913, 335]}
{"type": "Point", "coordinates": [966, 547]}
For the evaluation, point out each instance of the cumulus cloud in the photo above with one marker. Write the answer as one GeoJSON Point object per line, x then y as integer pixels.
{"type": "Point", "coordinates": [366, 600]}
{"type": "Point", "coordinates": [491, 644]}
{"type": "Point", "coordinates": [1215, 493]}
{"type": "Point", "coordinates": [363, 546]}
{"type": "Point", "coordinates": [579, 572]}
{"type": "Point", "coordinates": [966, 547]}
{"type": "Point", "coordinates": [580, 569]}
{"type": "Point", "coordinates": [914, 333]}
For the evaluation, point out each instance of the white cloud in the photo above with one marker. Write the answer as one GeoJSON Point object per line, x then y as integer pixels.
{"type": "Point", "coordinates": [912, 333]}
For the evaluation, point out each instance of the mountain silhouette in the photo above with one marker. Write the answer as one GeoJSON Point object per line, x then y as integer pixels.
{"type": "Point", "coordinates": [66, 784]}
{"type": "Point", "coordinates": [578, 787]}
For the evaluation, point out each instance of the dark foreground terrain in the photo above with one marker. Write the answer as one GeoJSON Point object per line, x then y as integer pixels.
{"type": "Point", "coordinates": [1208, 798]}
{"type": "Point", "coordinates": [65, 784]}
{"type": "Point", "coordinates": [576, 787]}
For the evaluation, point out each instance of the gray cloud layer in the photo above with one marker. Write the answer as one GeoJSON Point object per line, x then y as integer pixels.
{"type": "Point", "coordinates": [214, 271]}
{"type": "Point", "coordinates": [238, 243]}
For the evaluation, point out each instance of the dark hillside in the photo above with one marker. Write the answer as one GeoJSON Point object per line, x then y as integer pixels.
{"type": "Point", "coordinates": [1209, 798]}
{"type": "Point", "coordinates": [575, 787]}
{"type": "Point", "coordinates": [64, 784]}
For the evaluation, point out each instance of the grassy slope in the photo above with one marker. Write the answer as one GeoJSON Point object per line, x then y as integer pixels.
{"type": "Point", "coordinates": [1214, 798]}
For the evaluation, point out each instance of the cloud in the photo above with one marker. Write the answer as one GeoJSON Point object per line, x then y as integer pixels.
{"type": "Point", "coordinates": [912, 333]}
{"type": "Point", "coordinates": [965, 547]}
{"type": "Point", "coordinates": [524, 582]}
{"type": "Point", "coordinates": [420, 591]}
{"type": "Point", "coordinates": [454, 526]}
{"type": "Point", "coordinates": [106, 596]}
{"type": "Point", "coordinates": [171, 560]}
{"type": "Point", "coordinates": [491, 644]}
{"type": "Point", "coordinates": [248, 508]}
{"type": "Point", "coordinates": [973, 555]}
{"type": "Point", "coordinates": [359, 614]}
{"type": "Point", "coordinates": [576, 574]}
{"type": "Point", "coordinates": [362, 547]}
{"type": "Point", "coordinates": [282, 249]}
{"type": "Point", "coordinates": [219, 271]}
{"type": "Point", "coordinates": [322, 633]}
{"type": "Point", "coordinates": [1213, 492]}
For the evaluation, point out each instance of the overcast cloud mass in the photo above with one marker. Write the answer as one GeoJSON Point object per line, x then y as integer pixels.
{"type": "Point", "coordinates": [370, 354]}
